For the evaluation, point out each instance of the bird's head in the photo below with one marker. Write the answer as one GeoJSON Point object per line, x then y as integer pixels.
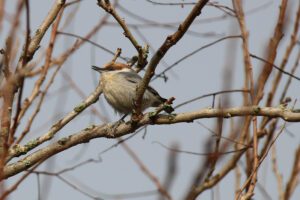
{"type": "Point", "coordinates": [112, 67]}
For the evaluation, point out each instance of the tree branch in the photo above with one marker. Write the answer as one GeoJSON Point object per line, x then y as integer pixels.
{"type": "Point", "coordinates": [92, 132]}
{"type": "Point", "coordinates": [170, 41]}
{"type": "Point", "coordinates": [18, 150]}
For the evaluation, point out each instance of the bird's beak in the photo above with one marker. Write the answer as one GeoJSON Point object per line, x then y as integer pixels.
{"type": "Point", "coordinates": [98, 69]}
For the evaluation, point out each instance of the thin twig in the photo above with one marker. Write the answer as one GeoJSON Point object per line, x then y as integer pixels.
{"type": "Point", "coordinates": [24, 62]}
{"type": "Point", "coordinates": [33, 47]}
{"type": "Point", "coordinates": [200, 154]}
{"type": "Point", "coordinates": [106, 5]}
{"type": "Point", "coordinates": [91, 42]}
{"type": "Point", "coordinates": [287, 54]}
{"type": "Point", "coordinates": [210, 94]}
{"type": "Point", "coordinates": [293, 181]}
{"type": "Point", "coordinates": [47, 64]}
{"type": "Point", "coordinates": [194, 52]}
{"type": "Point", "coordinates": [249, 84]}
{"type": "Point", "coordinates": [277, 173]}
{"type": "Point", "coordinates": [271, 52]}
{"type": "Point", "coordinates": [146, 171]}
{"type": "Point", "coordinates": [276, 67]}
{"type": "Point", "coordinates": [18, 150]}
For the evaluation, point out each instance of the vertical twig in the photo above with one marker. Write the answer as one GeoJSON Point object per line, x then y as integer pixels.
{"type": "Point", "coordinates": [293, 41]}
{"type": "Point", "coordinates": [33, 47]}
{"type": "Point", "coordinates": [46, 66]}
{"type": "Point", "coordinates": [249, 81]}
{"type": "Point", "coordinates": [294, 177]}
{"type": "Point", "coordinates": [277, 173]}
{"type": "Point", "coordinates": [171, 169]}
{"type": "Point", "coordinates": [24, 62]}
{"type": "Point", "coordinates": [8, 88]}
{"type": "Point", "coordinates": [271, 51]}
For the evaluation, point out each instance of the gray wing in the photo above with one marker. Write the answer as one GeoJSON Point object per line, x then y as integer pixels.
{"type": "Point", "coordinates": [131, 77]}
{"type": "Point", "coordinates": [135, 78]}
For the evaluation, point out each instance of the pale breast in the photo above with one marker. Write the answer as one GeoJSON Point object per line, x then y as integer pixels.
{"type": "Point", "coordinates": [120, 93]}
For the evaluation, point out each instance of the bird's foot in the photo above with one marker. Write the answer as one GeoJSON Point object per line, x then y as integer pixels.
{"type": "Point", "coordinates": [135, 118]}
{"type": "Point", "coordinates": [113, 128]}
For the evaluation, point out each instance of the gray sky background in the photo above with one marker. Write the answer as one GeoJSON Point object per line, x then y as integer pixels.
{"type": "Point", "coordinates": [200, 74]}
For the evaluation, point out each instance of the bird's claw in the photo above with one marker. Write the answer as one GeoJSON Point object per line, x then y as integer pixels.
{"type": "Point", "coordinates": [113, 128]}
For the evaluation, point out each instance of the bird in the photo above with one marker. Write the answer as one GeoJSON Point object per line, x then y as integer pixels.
{"type": "Point", "coordinates": [119, 82]}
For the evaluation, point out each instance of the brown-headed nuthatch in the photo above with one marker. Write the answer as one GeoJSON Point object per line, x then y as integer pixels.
{"type": "Point", "coordinates": [119, 83]}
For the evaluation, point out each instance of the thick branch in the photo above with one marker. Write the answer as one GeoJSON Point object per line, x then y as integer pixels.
{"type": "Point", "coordinates": [125, 128]}
{"type": "Point", "coordinates": [159, 54]}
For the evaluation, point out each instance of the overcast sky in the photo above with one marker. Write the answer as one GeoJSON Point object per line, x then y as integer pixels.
{"type": "Point", "coordinates": [200, 74]}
